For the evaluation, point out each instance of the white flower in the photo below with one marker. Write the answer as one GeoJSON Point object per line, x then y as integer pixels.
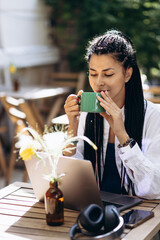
{"type": "Point", "coordinates": [52, 144]}
{"type": "Point", "coordinates": [54, 140]}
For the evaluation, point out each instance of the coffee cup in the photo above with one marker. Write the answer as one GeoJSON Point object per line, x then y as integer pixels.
{"type": "Point", "coordinates": [90, 103]}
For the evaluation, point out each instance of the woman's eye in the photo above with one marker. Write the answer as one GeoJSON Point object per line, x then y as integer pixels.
{"type": "Point", "coordinates": [93, 75]}
{"type": "Point", "coordinates": [108, 75]}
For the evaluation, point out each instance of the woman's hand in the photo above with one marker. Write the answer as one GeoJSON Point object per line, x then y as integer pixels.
{"type": "Point", "coordinates": [113, 116]}
{"type": "Point", "coordinates": [72, 110]}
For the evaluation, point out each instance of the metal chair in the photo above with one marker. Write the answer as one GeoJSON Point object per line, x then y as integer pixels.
{"type": "Point", "coordinates": [3, 165]}
{"type": "Point", "coordinates": [21, 116]}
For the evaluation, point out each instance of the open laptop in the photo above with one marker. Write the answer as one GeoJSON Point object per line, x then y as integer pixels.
{"type": "Point", "coordinates": [78, 185]}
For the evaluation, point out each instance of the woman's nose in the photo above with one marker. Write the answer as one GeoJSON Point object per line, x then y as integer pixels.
{"type": "Point", "coordinates": [99, 81]}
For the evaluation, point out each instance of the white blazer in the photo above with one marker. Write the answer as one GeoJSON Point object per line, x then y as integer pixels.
{"type": "Point", "coordinates": [144, 163]}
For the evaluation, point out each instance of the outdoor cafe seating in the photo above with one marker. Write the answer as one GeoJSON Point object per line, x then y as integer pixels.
{"type": "Point", "coordinates": [26, 106]}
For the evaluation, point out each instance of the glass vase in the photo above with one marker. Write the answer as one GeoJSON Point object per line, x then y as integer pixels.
{"type": "Point", "coordinates": [54, 205]}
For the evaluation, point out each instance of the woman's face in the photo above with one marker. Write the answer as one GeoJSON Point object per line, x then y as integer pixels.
{"type": "Point", "coordinates": [107, 74]}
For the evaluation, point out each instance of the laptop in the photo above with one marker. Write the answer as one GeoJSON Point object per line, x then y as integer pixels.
{"type": "Point", "coordinates": [79, 185]}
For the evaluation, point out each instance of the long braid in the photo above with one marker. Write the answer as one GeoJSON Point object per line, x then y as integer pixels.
{"type": "Point", "coordinates": [94, 131]}
{"type": "Point", "coordinates": [134, 109]}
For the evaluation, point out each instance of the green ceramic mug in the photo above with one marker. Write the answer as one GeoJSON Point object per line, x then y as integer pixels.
{"type": "Point", "coordinates": [90, 103]}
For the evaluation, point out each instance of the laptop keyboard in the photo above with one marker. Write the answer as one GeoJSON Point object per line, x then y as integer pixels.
{"type": "Point", "coordinates": [109, 203]}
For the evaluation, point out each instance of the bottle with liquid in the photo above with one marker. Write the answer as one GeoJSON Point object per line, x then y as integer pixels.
{"type": "Point", "coordinates": [15, 84]}
{"type": "Point", "coordinates": [54, 205]}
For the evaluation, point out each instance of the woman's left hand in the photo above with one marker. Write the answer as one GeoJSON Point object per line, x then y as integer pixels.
{"type": "Point", "coordinates": [114, 116]}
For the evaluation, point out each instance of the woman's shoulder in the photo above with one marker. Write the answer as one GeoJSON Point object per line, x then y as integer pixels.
{"type": "Point", "coordinates": [152, 114]}
{"type": "Point", "coordinates": [153, 108]}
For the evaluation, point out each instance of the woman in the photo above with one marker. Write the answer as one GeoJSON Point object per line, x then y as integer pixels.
{"type": "Point", "coordinates": [128, 133]}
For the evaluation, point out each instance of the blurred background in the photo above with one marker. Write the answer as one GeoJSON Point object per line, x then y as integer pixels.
{"type": "Point", "coordinates": [39, 37]}
{"type": "Point", "coordinates": [74, 22]}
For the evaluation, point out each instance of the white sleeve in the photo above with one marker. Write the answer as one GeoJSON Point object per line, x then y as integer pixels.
{"type": "Point", "coordinates": [80, 145]}
{"type": "Point", "coordinates": [145, 163]}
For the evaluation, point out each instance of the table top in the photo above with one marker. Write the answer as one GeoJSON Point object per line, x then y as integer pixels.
{"type": "Point", "coordinates": [63, 120]}
{"type": "Point", "coordinates": [35, 92]}
{"type": "Point", "coordinates": [23, 217]}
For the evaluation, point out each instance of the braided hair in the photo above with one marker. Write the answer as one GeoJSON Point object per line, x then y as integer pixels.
{"type": "Point", "coordinates": [121, 48]}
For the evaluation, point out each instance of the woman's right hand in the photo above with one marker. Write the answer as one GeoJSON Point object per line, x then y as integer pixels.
{"type": "Point", "coordinates": [72, 110]}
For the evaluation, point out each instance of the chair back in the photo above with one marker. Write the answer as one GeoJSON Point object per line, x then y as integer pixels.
{"type": "Point", "coordinates": [32, 118]}
{"type": "Point", "coordinates": [11, 106]}
{"type": "Point", "coordinates": [75, 81]}
{"type": "Point", "coordinates": [18, 118]}
{"type": "Point", "coordinates": [19, 111]}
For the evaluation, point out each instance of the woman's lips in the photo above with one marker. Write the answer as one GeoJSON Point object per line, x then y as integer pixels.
{"type": "Point", "coordinates": [98, 91]}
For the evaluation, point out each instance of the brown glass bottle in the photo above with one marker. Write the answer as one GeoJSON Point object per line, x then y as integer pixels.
{"type": "Point", "coordinates": [54, 205]}
{"type": "Point", "coordinates": [15, 84]}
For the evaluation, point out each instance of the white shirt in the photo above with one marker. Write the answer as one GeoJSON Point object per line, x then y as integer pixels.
{"type": "Point", "coordinates": [144, 163]}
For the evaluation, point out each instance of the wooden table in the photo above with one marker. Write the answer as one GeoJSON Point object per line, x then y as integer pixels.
{"type": "Point", "coordinates": [61, 122]}
{"type": "Point", "coordinates": [23, 217]}
{"type": "Point", "coordinates": [37, 93]}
